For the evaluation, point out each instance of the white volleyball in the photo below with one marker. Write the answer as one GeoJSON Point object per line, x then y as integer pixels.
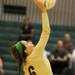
{"type": "Point", "coordinates": [49, 3]}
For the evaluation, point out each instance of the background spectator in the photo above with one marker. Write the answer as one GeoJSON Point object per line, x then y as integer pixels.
{"type": "Point", "coordinates": [1, 65]}
{"type": "Point", "coordinates": [68, 41]}
{"type": "Point", "coordinates": [67, 38]}
{"type": "Point", "coordinates": [68, 44]}
{"type": "Point", "coordinates": [72, 62]}
{"type": "Point", "coordinates": [59, 58]}
{"type": "Point", "coordinates": [26, 32]}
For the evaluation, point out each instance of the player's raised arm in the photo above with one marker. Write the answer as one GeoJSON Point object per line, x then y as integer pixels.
{"type": "Point", "coordinates": [45, 27]}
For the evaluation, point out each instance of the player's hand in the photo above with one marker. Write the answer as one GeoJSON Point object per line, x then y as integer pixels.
{"type": "Point", "coordinates": [40, 5]}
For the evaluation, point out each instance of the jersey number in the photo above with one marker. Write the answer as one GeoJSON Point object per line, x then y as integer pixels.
{"type": "Point", "coordinates": [31, 70]}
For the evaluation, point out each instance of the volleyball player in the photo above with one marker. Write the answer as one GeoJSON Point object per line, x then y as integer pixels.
{"type": "Point", "coordinates": [32, 57]}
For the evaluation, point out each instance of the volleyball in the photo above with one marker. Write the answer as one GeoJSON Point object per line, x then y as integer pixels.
{"type": "Point", "coordinates": [49, 3]}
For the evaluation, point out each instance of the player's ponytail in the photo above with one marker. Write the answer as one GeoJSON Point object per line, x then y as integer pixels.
{"type": "Point", "coordinates": [17, 51]}
{"type": "Point", "coordinates": [22, 61]}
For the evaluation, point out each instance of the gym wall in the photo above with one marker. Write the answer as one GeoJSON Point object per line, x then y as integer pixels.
{"type": "Point", "coordinates": [62, 14]}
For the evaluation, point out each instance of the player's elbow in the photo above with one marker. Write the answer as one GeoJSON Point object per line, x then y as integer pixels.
{"type": "Point", "coordinates": [47, 31]}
